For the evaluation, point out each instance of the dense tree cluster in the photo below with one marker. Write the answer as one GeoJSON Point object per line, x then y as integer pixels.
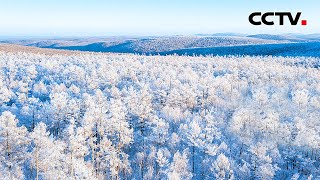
{"type": "Point", "coordinates": [148, 44]}
{"type": "Point", "coordinates": [110, 116]}
{"type": "Point", "coordinates": [165, 44]}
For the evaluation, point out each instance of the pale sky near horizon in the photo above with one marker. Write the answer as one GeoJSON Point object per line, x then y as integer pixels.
{"type": "Point", "coordinates": [147, 17]}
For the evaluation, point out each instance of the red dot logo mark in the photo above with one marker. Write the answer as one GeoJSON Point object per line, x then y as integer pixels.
{"type": "Point", "coordinates": [304, 22]}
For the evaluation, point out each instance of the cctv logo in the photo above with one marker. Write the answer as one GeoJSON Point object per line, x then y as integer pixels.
{"type": "Point", "coordinates": [257, 18]}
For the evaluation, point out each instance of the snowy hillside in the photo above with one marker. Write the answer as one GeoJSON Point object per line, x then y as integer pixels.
{"type": "Point", "coordinates": [162, 44]}
{"type": "Point", "coordinates": [305, 49]}
{"type": "Point", "coordinates": [215, 44]}
{"type": "Point", "coordinates": [142, 44]}
{"type": "Point", "coordinates": [112, 116]}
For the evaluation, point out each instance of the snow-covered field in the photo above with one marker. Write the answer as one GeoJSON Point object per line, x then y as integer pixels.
{"type": "Point", "coordinates": [122, 116]}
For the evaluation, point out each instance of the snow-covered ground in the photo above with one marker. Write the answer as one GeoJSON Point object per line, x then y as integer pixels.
{"type": "Point", "coordinates": [123, 116]}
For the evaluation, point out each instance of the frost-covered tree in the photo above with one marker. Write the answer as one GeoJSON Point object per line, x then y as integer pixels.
{"type": "Point", "coordinates": [262, 165]}
{"type": "Point", "coordinates": [179, 168]}
{"type": "Point", "coordinates": [47, 157]}
{"type": "Point", "coordinates": [125, 116]}
{"type": "Point", "coordinates": [14, 144]}
{"type": "Point", "coordinates": [76, 151]}
{"type": "Point", "coordinates": [222, 168]}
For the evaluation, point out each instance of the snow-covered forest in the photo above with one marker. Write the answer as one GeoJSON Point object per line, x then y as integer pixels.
{"type": "Point", "coordinates": [124, 116]}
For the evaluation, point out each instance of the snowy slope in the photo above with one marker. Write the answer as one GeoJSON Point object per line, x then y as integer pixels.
{"type": "Point", "coordinates": [142, 44]}
{"type": "Point", "coordinates": [124, 116]}
{"type": "Point", "coordinates": [311, 49]}
{"type": "Point", "coordinates": [217, 44]}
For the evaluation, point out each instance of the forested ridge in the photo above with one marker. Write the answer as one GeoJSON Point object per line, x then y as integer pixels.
{"type": "Point", "coordinates": [123, 116]}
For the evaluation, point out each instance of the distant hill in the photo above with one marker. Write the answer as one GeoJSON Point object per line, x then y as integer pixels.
{"type": "Point", "coordinates": [202, 44]}
{"type": "Point", "coordinates": [278, 37]}
{"type": "Point", "coordinates": [310, 49]}
{"type": "Point", "coordinates": [143, 44]}
{"type": "Point", "coordinates": [12, 48]}
{"type": "Point", "coordinates": [163, 44]}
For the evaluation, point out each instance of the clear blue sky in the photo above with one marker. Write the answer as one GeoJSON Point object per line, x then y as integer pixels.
{"type": "Point", "coordinates": [146, 17]}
